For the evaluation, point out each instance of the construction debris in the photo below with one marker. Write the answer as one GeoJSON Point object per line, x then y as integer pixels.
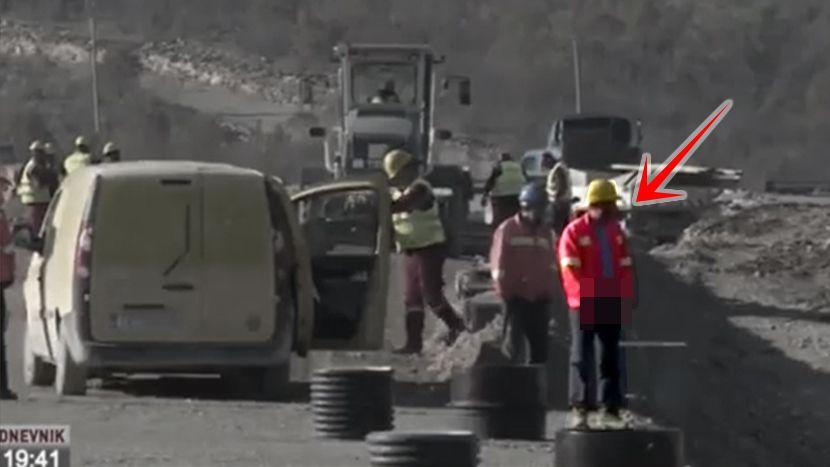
{"type": "Point", "coordinates": [761, 248]}
{"type": "Point", "coordinates": [193, 61]}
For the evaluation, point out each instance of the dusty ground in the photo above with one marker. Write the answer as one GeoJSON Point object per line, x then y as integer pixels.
{"type": "Point", "coordinates": [740, 399]}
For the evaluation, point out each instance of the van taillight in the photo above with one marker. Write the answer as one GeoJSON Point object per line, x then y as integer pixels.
{"type": "Point", "coordinates": [83, 256]}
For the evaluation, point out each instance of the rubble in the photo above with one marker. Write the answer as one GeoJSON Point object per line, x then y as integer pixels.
{"type": "Point", "coordinates": [18, 39]}
{"type": "Point", "coordinates": [760, 248]}
{"type": "Point", "coordinates": [254, 75]}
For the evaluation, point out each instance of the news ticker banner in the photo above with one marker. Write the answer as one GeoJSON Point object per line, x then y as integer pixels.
{"type": "Point", "coordinates": [34, 445]}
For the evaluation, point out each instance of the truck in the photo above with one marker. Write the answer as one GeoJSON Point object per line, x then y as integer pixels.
{"type": "Point", "coordinates": [386, 99]}
{"type": "Point", "coordinates": [608, 146]}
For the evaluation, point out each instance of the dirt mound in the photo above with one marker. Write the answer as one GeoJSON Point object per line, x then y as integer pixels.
{"type": "Point", "coordinates": [773, 250]}
{"type": "Point", "coordinates": [20, 39]}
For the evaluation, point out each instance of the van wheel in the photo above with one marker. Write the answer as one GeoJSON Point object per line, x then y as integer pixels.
{"type": "Point", "coordinates": [36, 371]}
{"type": "Point", "coordinates": [70, 378]}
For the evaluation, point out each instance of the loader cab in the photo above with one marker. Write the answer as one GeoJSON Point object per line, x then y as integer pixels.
{"type": "Point", "coordinates": [386, 96]}
{"type": "Point", "coordinates": [595, 141]}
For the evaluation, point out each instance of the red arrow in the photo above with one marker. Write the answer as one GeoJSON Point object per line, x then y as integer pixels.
{"type": "Point", "coordinates": [653, 191]}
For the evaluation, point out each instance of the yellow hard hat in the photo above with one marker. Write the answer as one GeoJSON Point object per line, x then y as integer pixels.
{"type": "Point", "coordinates": [36, 145]}
{"type": "Point", "coordinates": [602, 191]}
{"type": "Point", "coordinates": [110, 148]}
{"type": "Point", "coordinates": [394, 161]}
{"type": "Point", "coordinates": [81, 141]}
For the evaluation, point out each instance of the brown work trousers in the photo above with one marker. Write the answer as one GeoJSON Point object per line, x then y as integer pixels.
{"type": "Point", "coordinates": [504, 207]}
{"type": "Point", "coordinates": [424, 287]}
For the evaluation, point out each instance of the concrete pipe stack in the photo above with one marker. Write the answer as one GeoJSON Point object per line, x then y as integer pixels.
{"type": "Point", "coordinates": [349, 403]}
{"type": "Point", "coordinates": [501, 401]}
{"type": "Point", "coordinates": [423, 449]}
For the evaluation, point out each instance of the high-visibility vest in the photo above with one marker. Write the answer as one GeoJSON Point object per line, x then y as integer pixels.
{"type": "Point", "coordinates": [417, 228]}
{"type": "Point", "coordinates": [510, 181]}
{"type": "Point", "coordinates": [558, 183]}
{"type": "Point", "coordinates": [75, 161]}
{"type": "Point", "coordinates": [29, 190]}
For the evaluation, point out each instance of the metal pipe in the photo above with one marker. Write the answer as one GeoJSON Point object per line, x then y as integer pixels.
{"type": "Point", "coordinates": [93, 58]}
{"type": "Point", "coordinates": [577, 81]}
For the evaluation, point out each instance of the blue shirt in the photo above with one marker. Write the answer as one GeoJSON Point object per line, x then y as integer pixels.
{"type": "Point", "coordinates": [605, 251]}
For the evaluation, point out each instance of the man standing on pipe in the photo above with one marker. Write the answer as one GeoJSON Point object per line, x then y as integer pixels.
{"type": "Point", "coordinates": [598, 279]}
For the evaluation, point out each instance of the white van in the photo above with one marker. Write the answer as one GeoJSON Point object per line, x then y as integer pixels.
{"type": "Point", "coordinates": [181, 266]}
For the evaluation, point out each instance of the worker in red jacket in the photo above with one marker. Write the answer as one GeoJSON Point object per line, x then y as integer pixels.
{"type": "Point", "coordinates": [6, 279]}
{"type": "Point", "coordinates": [523, 266]}
{"type": "Point", "coordinates": [597, 276]}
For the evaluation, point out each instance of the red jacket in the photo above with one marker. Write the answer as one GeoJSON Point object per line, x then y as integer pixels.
{"type": "Point", "coordinates": [6, 254]}
{"type": "Point", "coordinates": [523, 261]}
{"type": "Point", "coordinates": [581, 262]}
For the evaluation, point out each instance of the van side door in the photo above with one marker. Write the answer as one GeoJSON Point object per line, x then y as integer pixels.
{"type": "Point", "coordinates": [345, 234]}
{"type": "Point", "coordinates": [40, 306]}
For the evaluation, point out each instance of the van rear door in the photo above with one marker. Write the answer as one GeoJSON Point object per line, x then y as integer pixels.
{"type": "Point", "coordinates": [240, 302]}
{"type": "Point", "coordinates": [145, 259]}
{"type": "Point", "coordinates": [346, 233]}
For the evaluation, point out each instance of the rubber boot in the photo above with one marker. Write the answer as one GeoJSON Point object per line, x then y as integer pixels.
{"type": "Point", "coordinates": [5, 392]}
{"type": "Point", "coordinates": [414, 333]}
{"type": "Point", "coordinates": [454, 323]}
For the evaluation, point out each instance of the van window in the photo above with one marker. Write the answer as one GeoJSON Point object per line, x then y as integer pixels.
{"type": "Point", "coordinates": [341, 223]}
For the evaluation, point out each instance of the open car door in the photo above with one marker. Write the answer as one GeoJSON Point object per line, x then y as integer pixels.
{"type": "Point", "coordinates": [346, 233]}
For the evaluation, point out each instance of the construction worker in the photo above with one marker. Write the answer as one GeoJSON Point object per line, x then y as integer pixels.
{"type": "Point", "coordinates": [36, 184]}
{"type": "Point", "coordinates": [598, 280]}
{"type": "Point", "coordinates": [560, 196]}
{"type": "Point", "coordinates": [420, 236]}
{"type": "Point", "coordinates": [80, 158]}
{"type": "Point", "coordinates": [6, 279]}
{"type": "Point", "coordinates": [523, 266]}
{"type": "Point", "coordinates": [502, 189]}
{"type": "Point", "coordinates": [547, 162]}
{"type": "Point", "coordinates": [111, 153]}
{"type": "Point", "coordinates": [387, 94]}
{"type": "Point", "coordinates": [53, 164]}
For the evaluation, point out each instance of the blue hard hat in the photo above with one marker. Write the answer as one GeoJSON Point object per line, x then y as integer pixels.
{"type": "Point", "coordinates": [533, 194]}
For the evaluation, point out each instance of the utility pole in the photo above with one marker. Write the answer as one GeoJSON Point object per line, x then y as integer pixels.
{"type": "Point", "coordinates": [93, 57]}
{"type": "Point", "coordinates": [577, 82]}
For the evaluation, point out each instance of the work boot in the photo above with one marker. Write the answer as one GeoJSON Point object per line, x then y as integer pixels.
{"type": "Point", "coordinates": [7, 395]}
{"type": "Point", "coordinates": [455, 324]}
{"type": "Point", "coordinates": [578, 419]}
{"type": "Point", "coordinates": [610, 419]}
{"type": "Point", "coordinates": [414, 334]}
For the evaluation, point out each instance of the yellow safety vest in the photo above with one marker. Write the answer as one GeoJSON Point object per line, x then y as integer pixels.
{"type": "Point", "coordinates": [75, 161]}
{"type": "Point", "coordinates": [29, 190]}
{"type": "Point", "coordinates": [418, 228]}
{"type": "Point", "coordinates": [510, 181]}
